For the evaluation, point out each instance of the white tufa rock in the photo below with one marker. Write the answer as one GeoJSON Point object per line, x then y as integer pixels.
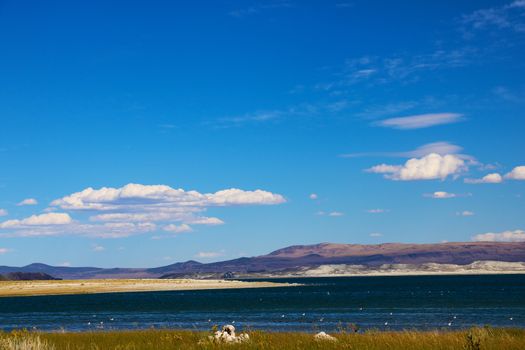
{"type": "Point", "coordinates": [322, 336]}
{"type": "Point", "coordinates": [227, 335]}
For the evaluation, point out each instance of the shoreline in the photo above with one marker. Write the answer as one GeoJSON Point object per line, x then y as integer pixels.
{"type": "Point", "coordinates": [386, 274]}
{"type": "Point", "coordinates": [99, 286]}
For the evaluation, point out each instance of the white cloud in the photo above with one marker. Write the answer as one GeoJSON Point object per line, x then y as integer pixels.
{"type": "Point", "coordinates": [65, 264]}
{"type": "Point", "coordinates": [132, 195]}
{"type": "Point", "coordinates": [493, 178]}
{"type": "Point", "coordinates": [4, 251]}
{"type": "Point", "coordinates": [505, 236]}
{"type": "Point", "coordinates": [509, 17]}
{"type": "Point", "coordinates": [420, 121]}
{"type": "Point", "coordinates": [313, 196]}
{"type": "Point", "coordinates": [3, 212]}
{"type": "Point", "coordinates": [332, 213]}
{"type": "Point", "coordinates": [201, 220]}
{"type": "Point", "coordinates": [39, 220]}
{"type": "Point", "coordinates": [377, 211]}
{"type": "Point", "coordinates": [376, 234]}
{"type": "Point", "coordinates": [177, 228]}
{"type": "Point", "coordinates": [134, 209]}
{"type": "Point", "coordinates": [429, 167]}
{"type": "Point", "coordinates": [209, 255]}
{"type": "Point", "coordinates": [465, 213]}
{"type": "Point", "coordinates": [442, 195]}
{"type": "Point", "coordinates": [98, 248]}
{"type": "Point", "coordinates": [28, 201]}
{"type": "Point", "coordinates": [518, 173]}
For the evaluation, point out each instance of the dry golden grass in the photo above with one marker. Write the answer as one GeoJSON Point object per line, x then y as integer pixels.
{"type": "Point", "coordinates": [28, 288]}
{"type": "Point", "coordinates": [474, 339]}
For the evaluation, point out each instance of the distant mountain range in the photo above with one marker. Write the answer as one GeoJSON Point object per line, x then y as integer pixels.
{"type": "Point", "coordinates": [295, 260]}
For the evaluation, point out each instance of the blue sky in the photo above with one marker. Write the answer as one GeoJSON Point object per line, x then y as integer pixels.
{"type": "Point", "coordinates": [142, 133]}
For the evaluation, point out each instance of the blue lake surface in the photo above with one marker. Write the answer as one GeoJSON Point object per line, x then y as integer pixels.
{"type": "Point", "coordinates": [386, 303]}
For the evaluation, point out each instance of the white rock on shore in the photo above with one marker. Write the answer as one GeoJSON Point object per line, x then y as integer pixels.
{"type": "Point", "coordinates": [227, 335]}
{"type": "Point", "coordinates": [322, 336]}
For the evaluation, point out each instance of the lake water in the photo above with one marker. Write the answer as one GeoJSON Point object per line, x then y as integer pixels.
{"type": "Point", "coordinates": [386, 303]}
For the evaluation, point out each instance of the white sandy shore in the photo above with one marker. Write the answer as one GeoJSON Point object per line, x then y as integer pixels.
{"type": "Point", "coordinates": [476, 268]}
{"type": "Point", "coordinates": [31, 288]}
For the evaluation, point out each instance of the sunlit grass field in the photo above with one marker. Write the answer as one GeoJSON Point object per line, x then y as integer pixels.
{"type": "Point", "coordinates": [473, 339]}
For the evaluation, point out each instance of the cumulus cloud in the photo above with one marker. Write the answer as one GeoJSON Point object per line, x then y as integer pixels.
{"type": "Point", "coordinates": [505, 236]}
{"type": "Point", "coordinates": [420, 121]}
{"type": "Point", "coordinates": [108, 198]}
{"type": "Point", "coordinates": [518, 173]}
{"type": "Point", "coordinates": [177, 228]}
{"type": "Point", "coordinates": [3, 212]}
{"type": "Point", "coordinates": [429, 167]}
{"type": "Point", "coordinates": [39, 220]}
{"type": "Point", "coordinates": [135, 209]}
{"type": "Point", "coordinates": [313, 196]}
{"type": "Point", "coordinates": [493, 178]}
{"type": "Point", "coordinates": [28, 201]}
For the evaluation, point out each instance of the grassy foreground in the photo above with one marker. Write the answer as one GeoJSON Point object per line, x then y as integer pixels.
{"type": "Point", "coordinates": [474, 339]}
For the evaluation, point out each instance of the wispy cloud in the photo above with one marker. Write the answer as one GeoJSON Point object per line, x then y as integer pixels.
{"type": "Point", "coordinates": [420, 121]}
{"type": "Point", "coordinates": [209, 255]}
{"type": "Point", "coordinates": [376, 234]}
{"type": "Point", "coordinates": [508, 17]}
{"type": "Point", "coordinates": [97, 248]}
{"type": "Point", "coordinates": [4, 251]}
{"type": "Point", "coordinates": [406, 68]}
{"type": "Point", "coordinates": [377, 211]}
{"type": "Point", "coordinates": [258, 8]}
{"type": "Point", "coordinates": [465, 213]}
{"type": "Point", "coordinates": [331, 213]}
{"type": "Point", "coordinates": [28, 201]}
{"type": "Point", "coordinates": [441, 148]}
{"type": "Point", "coordinates": [3, 212]}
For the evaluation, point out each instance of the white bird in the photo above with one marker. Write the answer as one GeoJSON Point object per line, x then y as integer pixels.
{"type": "Point", "coordinates": [450, 324]}
{"type": "Point", "coordinates": [386, 323]}
{"type": "Point", "coordinates": [511, 318]}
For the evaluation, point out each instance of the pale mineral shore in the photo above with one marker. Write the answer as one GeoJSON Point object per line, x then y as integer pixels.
{"type": "Point", "coordinates": [427, 269]}
{"type": "Point", "coordinates": [62, 287]}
